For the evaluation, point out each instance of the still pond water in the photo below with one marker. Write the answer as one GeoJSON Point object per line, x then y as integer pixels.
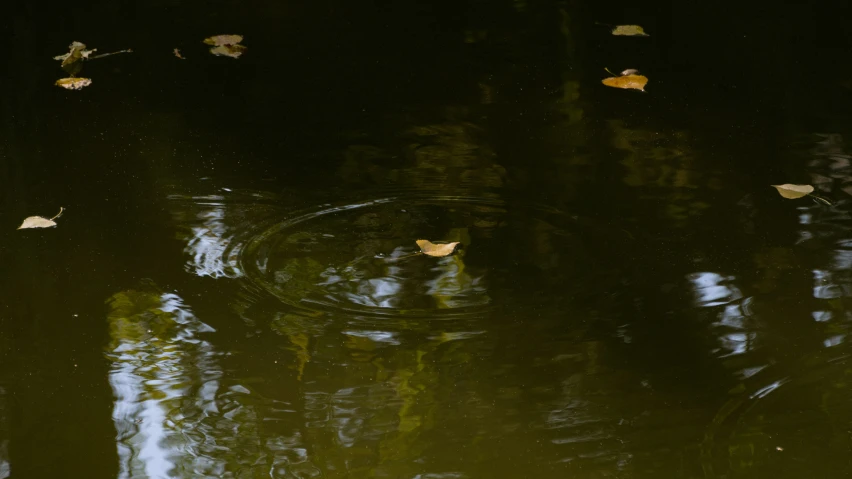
{"type": "Point", "coordinates": [233, 290]}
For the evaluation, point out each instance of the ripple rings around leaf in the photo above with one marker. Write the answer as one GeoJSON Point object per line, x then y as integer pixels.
{"type": "Point", "coordinates": [360, 258]}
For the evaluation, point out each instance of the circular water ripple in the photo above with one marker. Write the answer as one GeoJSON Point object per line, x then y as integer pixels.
{"type": "Point", "coordinates": [799, 425]}
{"type": "Point", "coordinates": [362, 258]}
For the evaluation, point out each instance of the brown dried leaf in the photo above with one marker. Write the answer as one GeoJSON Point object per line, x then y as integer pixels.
{"type": "Point", "coordinates": [629, 30]}
{"type": "Point", "coordinates": [76, 51]}
{"type": "Point", "coordinates": [794, 191]}
{"type": "Point", "coordinates": [636, 82]}
{"type": "Point", "coordinates": [437, 250]}
{"type": "Point", "coordinates": [219, 40]}
{"type": "Point", "coordinates": [73, 83]}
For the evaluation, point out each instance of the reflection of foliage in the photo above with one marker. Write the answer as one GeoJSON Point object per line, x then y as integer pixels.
{"type": "Point", "coordinates": [773, 262]}
{"type": "Point", "coordinates": [454, 286]}
{"type": "Point", "coordinates": [448, 155]}
{"type": "Point", "coordinates": [665, 167]}
{"type": "Point", "coordinates": [446, 145]}
{"type": "Point", "coordinates": [298, 329]}
{"type": "Point", "coordinates": [752, 432]}
{"type": "Point", "coordinates": [415, 385]}
{"type": "Point", "coordinates": [375, 424]}
{"type": "Point", "coordinates": [299, 275]}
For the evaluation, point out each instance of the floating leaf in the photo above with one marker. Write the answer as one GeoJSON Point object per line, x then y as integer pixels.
{"type": "Point", "coordinates": [76, 51]}
{"type": "Point", "coordinates": [226, 45]}
{"type": "Point", "coordinates": [39, 222]}
{"type": "Point", "coordinates": [794, 191]}
{"type": "Point", "coordinates": [177, 54]}
{"type": "Point", "coordinates": [220, 40]}
{"type": "Point", "coordinates": [431, 249]}
{"type": "Point", "coordinates": [233, 51]}
{"type": "Point", "coordinates": [73, 83]}
{"type": "Point", "coordinates": [629, 30]}
{"type": "Point", "coordinates": [636, 82]}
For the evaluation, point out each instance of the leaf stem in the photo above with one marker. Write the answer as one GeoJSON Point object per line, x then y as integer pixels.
{"type": "Point", "coordinates": [129, 50]}
{"type": "Point", "coordinates": [61, 209]}
{"type": "Point", "coordinates": [400, 258]}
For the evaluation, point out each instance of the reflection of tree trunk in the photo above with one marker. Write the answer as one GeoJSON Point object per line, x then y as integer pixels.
{"type": "Point", "coordinates": [165, 380]}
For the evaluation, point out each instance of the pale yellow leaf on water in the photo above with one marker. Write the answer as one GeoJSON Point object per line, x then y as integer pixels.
{"type": "Point", "coordinates": [629, 30]}
{"type": "Point", "coordinates": [36, 222]}
{"type": "Point", "coordinates": [219, 40]}
{"type": "Point", "coordinates": [431, 249]}
{"type": "Point", "coordinates": [636, 82]}
{"type": "Point", "coordinates": [73, 83]}
{"type": "Point", "coordinates": [794, 191]}
{"type": "Point", "coordinates": [39, 222]}
{"type": "Point", "coordinates": [233, 51]}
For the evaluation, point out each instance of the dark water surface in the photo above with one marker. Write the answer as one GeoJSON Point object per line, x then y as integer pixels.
{"type": "Point", "coordinates": [232, 290]}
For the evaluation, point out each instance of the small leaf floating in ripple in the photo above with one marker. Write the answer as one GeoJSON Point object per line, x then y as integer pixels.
{"type": "Point", "coordinates": [226, 45]}
{"type": "Point", "coordinates": [218, 40]}
{"type": "Point", "coordinates": [437, 250]}
{"type": "Point", "coordinates": [233, 51]}
{"type": "Point", "coordinates": [40, 222]}
{"type": "Point", "coordinates": [792, 192]}
{"type": "Point", "coordinates": [73, 83]}
{"type": "Point", "coordinates": [629, 79]}
{"type": "Point", "coordinates": [629, 30]}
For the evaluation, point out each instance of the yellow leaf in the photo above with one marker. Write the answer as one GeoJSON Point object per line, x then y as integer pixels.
{"type": "Point", "coordinates": [794, 191]}
{"type": "Point", "coordinates": [629, 30]}
{"type": "Point", "coordinates": [636, 82]}
{"type": "Point", "coordinates": [431, 249]}
{"type": "Point", "coordinates": [219, 40]}
{"type": "Point", "coordinates": [233, 51]}
{"type": "Point", "coordinates": [73, 83]}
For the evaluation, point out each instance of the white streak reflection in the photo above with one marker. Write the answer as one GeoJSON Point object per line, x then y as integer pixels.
{"type": "Point", "coordinates": [163, 378]}
{"type": "Point", "coordinates": [5, 465]}
{"type": "Point", "coordinates": [762, 392]}
{"type": "Point", "coordinates": [211, 248]}
{"type": "Point", "coordinates": [710, 291]}
{"type": "Point", "coordinates": [824, 287]}
{"type": "Point", "coordinates": [734, 334]}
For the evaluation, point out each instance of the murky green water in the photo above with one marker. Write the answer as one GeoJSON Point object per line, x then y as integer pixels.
{"type": "Point", "coordinates": [233, 290]}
